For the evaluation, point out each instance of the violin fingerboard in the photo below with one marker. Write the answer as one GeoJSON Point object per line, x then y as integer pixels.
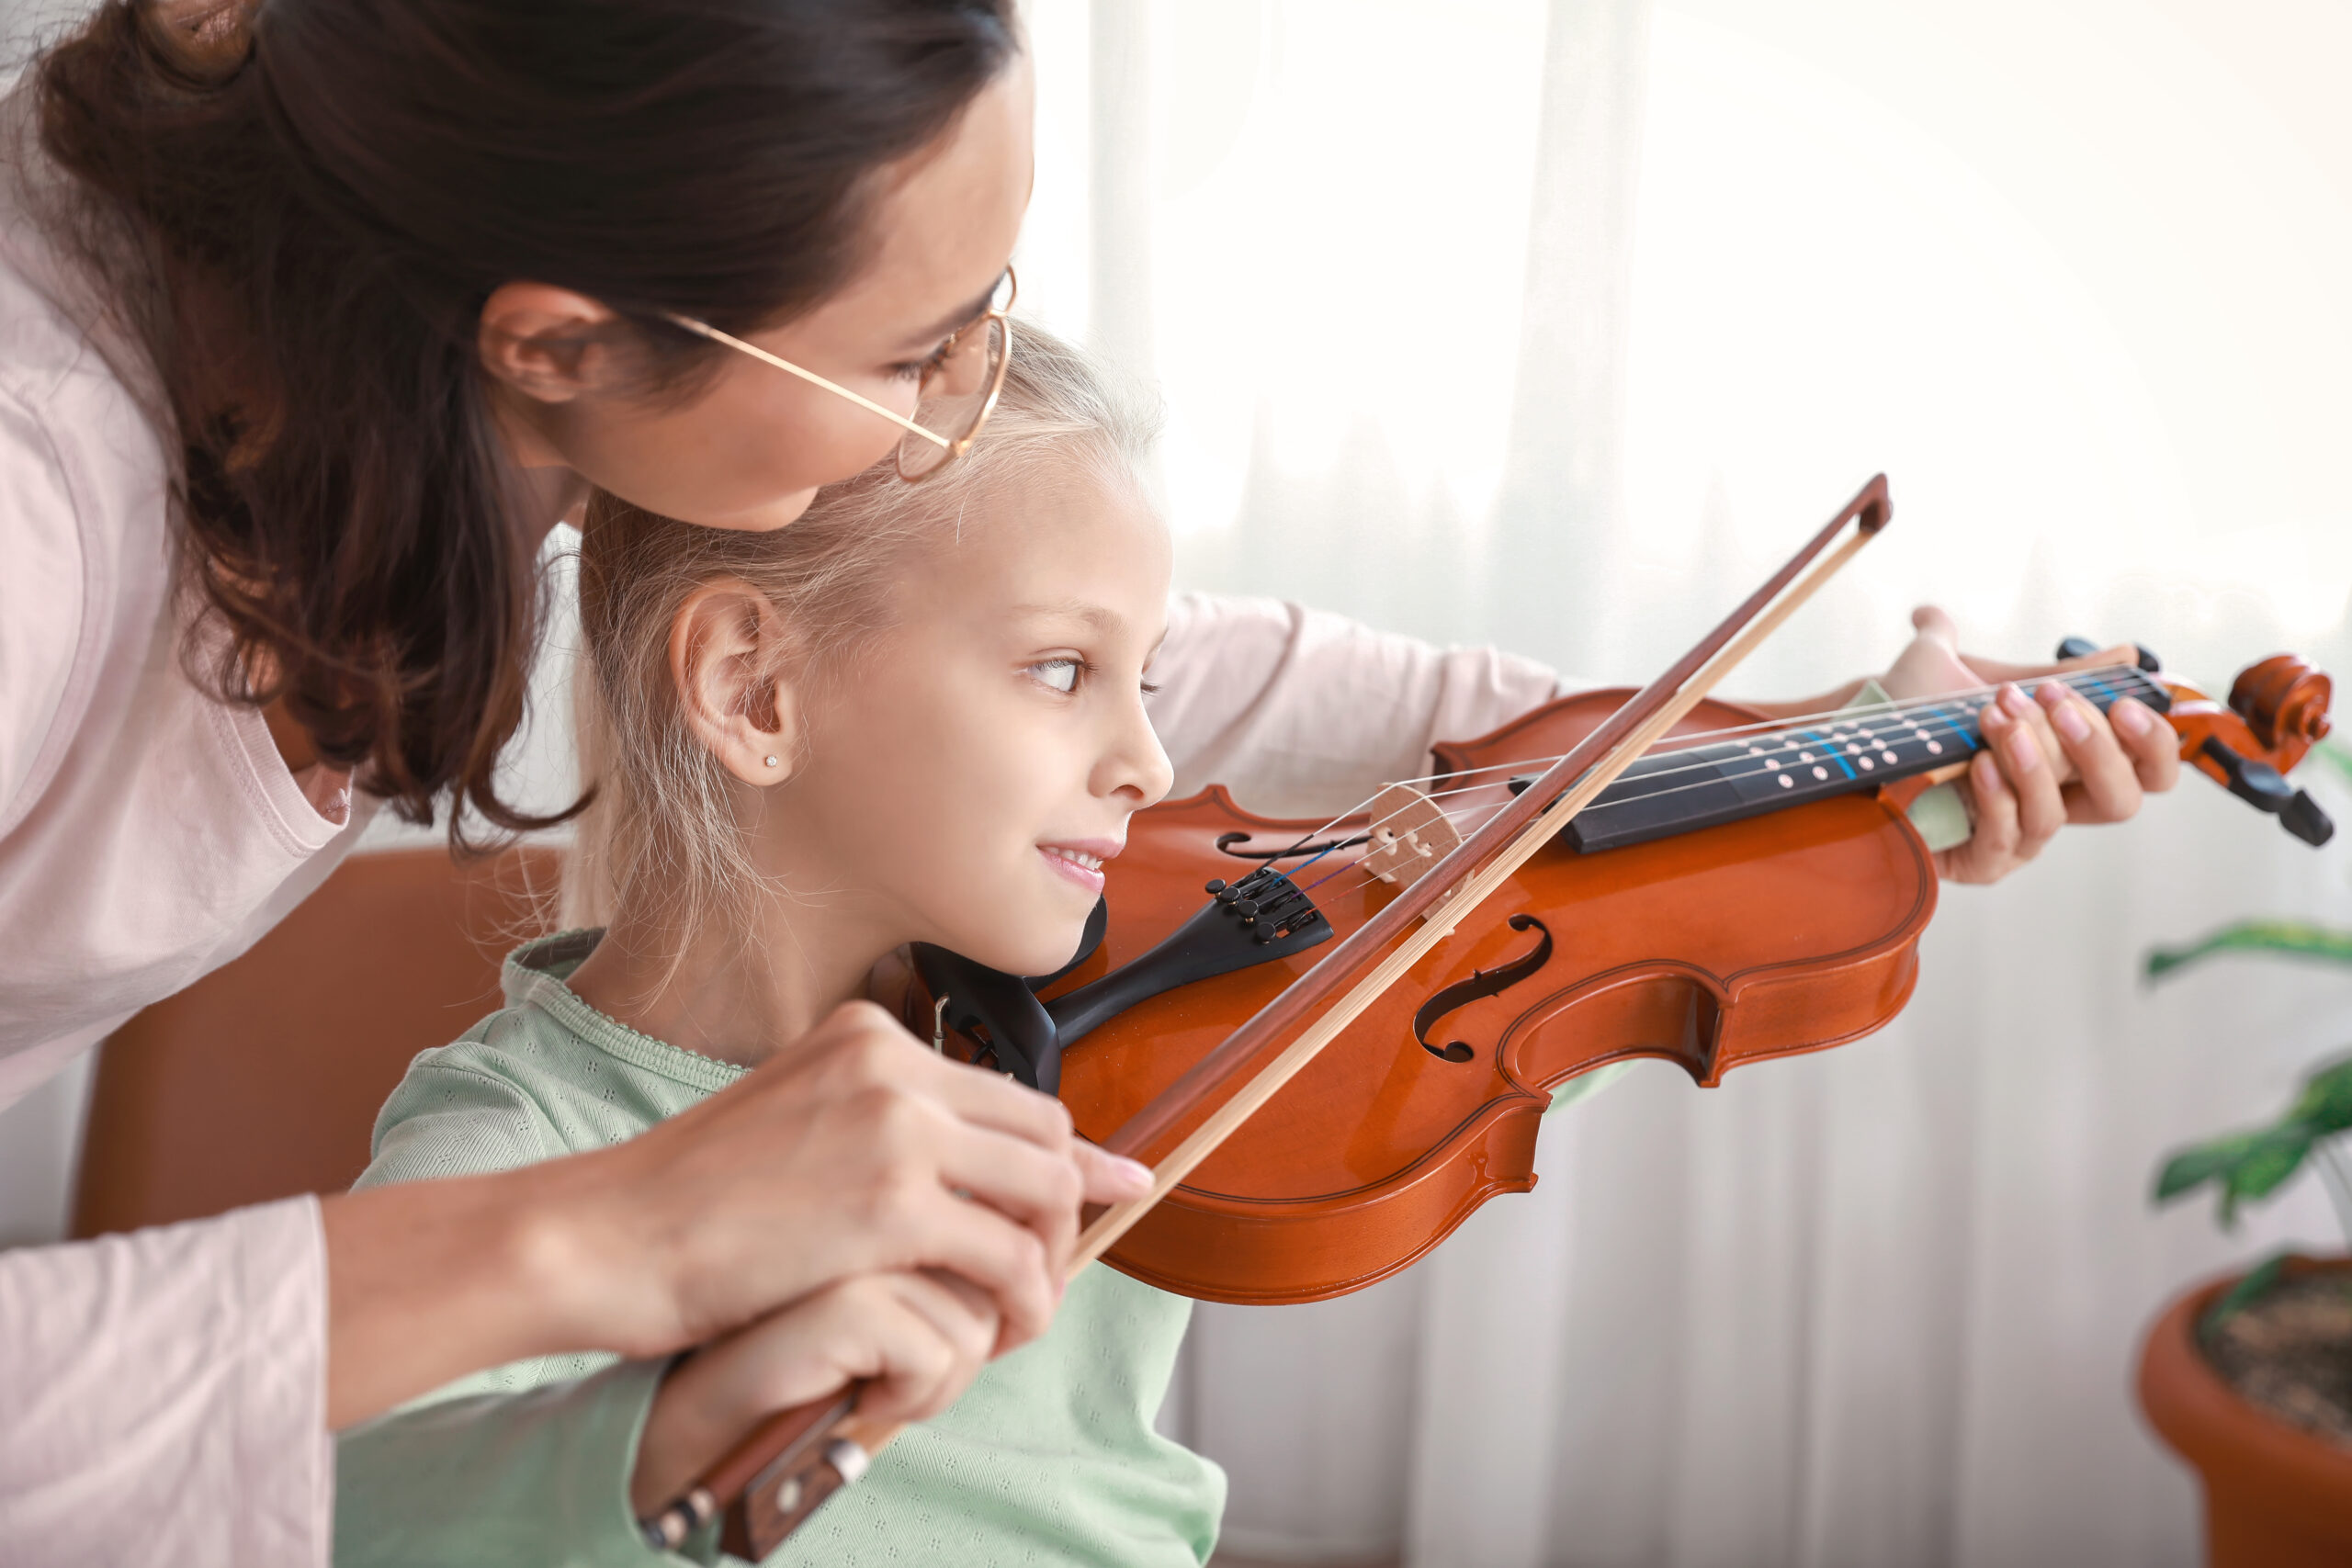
{"type": "Point", "coordinates": [1700, 787]}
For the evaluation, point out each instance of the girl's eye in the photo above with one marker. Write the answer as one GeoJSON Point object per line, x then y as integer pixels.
{"type": "Point", "coordinates": [1061, 675]}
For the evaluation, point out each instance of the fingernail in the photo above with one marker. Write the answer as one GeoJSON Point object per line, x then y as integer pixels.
{"type": "Point", "coordinates": [2133, 719]}
{"type": "Point", "coordinates": [2014, 699]}
{"type": "Point", "coordinates": [2069, 720]}
{"type": "Point", "coordinates": [2023, 752]}
{"type": "Point", "coordinates": [1990, 718]}
{"type": "Point", "coordinates": [1134, 1172]}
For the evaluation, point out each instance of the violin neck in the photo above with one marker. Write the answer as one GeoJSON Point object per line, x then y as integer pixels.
{"type": "Point", "coordinates": [1687, 788]}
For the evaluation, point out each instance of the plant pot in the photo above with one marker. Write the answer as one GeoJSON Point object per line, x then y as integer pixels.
{"type": "Point", "coordinates": [2276, 1496]}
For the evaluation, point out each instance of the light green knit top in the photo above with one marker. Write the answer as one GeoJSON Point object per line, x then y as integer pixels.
{"type": "Point", "coordinates": [1050, 1457]}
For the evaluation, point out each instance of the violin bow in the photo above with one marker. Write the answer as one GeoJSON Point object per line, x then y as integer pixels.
{"type": "Point", "coordinates": [785, 1468]}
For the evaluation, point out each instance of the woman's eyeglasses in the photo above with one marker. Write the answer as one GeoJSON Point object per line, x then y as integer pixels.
{"type": "Point", "coordinates": [960, 383]}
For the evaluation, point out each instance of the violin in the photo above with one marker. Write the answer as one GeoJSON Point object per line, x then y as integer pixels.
{"type": "Point", "coordinates": [1612, 875]}
{"type": "Point", "coordinates": [1750, 889]}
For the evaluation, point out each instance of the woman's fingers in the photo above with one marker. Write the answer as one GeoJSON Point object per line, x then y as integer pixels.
{"type": "Point", "coordinates": [1006, 1260]}
{"type": "Point", "coordinates": [990, 1100]}
{"type": "Point", "coordinates": [1024, 1184]}
{"type": "Point", "coordinates": [1108, 1177]}
{"type": "Point", "coordinates": [855, 1149]}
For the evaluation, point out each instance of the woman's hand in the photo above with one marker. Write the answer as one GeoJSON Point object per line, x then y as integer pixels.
{"type": "Point", "coordinates": [857, 1150]}
{"type": "Point", "coordinates": [2049, 759]}
{"type": "Point", "coordinates": [920, 1337]}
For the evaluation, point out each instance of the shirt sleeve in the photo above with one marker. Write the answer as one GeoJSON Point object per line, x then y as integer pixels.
{"type": "Point", "coordinates": [502, 1480]}
{"type": "Point", "coordinates": [164, 1394]}
{"type": "Point", "coordinates": [521, 1464]}
{"type": "Point", "coordinates": [42, 608]}
{"type": "Point", "coordinates": [1304, 713]}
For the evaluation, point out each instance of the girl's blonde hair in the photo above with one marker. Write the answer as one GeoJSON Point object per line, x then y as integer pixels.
{"type": "Point", "coordinates": [661, 837]}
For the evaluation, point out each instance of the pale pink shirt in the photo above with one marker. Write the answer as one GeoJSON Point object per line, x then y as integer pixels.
{"type": "Point", "coordinates": [161, 1395]}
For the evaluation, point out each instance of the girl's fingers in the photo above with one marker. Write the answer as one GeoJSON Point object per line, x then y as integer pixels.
{"type": "Point", "coordinates": [2107, 787]}
{"type": "Point", "coordinates": [920, 1340]}
{"type": "Point", "coordinates": [2150, 743]}
{"type": "Point", "coordinates": [1992, 847]}
{"type": "Point", "coordinates": [2022, 746]}
{"type": "Point", "coordinates": [931, 1340]}
{"type": "Point", "coordinates": [2041, 807]}
{"type": "Point", "coordinates": [962, 1312]}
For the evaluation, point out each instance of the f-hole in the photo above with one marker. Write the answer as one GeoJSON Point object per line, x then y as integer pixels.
{"type": "Point", "coordinates": [1482, 983]}
{"type": "Point", "coordinates": [1227, 843]}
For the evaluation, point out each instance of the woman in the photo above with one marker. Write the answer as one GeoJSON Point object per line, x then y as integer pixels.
{"type": "Point", "coordinates": [315, 320]}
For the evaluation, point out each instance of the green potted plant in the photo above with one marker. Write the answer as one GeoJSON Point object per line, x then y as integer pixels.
{"type": "Point", "coordinates": [2250, 1379]}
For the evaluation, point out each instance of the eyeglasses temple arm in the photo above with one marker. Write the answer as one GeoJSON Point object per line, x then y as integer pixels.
{"type": "Point", "coordinates": [703, 329]}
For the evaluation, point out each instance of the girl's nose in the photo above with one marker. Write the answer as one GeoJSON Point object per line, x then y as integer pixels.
{"type": "Point", "coordinates": [1136, 766]}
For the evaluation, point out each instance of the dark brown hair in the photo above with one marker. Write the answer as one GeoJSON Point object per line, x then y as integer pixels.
{"type": "Point", "coordinates": [300, 210]}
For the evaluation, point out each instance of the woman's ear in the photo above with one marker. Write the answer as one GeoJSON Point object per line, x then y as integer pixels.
{"type": "Point", "coordinates": [725, 645]}
{"type": "Point", "coordinates": [547, 343]}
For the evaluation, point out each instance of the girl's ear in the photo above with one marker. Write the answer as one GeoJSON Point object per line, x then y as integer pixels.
{"type": "Point", "coordinates": [726, 644]}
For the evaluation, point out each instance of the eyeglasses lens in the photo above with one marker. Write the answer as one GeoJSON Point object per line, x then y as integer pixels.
{"type": "Point", "coordinates": [955, 397]}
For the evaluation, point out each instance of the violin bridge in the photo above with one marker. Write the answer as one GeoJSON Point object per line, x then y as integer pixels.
{"type": "Point", "coordinates": [1409, 835]}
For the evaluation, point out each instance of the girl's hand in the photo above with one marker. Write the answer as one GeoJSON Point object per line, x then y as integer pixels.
{"type": "Point", "coordinates": [922, 1339]}
{"type": "Point", "coordinates": [2051, 759]}
{"type": "Point", "coordinates": [855, 1151]}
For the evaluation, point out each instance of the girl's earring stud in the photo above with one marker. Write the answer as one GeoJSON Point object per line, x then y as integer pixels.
{"type": "Point", "coordinates": [774, 764]}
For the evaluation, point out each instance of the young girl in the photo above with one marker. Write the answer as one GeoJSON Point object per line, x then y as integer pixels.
{"type": "Point", "coordinates": [914, 715]}
{"type": "Point", "coordinates": [918, 715]}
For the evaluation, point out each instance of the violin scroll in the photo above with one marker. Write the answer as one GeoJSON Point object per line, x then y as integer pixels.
{"type": "Point", "coordinates": [2276, 711]}
{"type": "Point", "coordinates": [2284, 700]}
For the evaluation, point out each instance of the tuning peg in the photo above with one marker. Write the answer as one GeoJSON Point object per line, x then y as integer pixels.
{"type": "Point", "coordinates": [2259, 785]}
{"type": "Point", "coordinates": [2083, 648]}
{"type": "Point", "coordinates": [2303, 818]}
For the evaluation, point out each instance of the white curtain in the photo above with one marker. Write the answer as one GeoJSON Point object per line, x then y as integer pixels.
{"type": "Point", "coordinates": [1552, 325]}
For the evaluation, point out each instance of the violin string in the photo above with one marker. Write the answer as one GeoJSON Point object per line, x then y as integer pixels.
{"type": "Point", "coordinates": [1842, 717]}
{"type": "Point", "coordinates": [1785, 729]}
{"type": "Point", "coordinates": [1790, 733]}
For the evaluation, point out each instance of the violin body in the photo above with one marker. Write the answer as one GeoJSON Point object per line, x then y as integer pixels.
{"type": "Point", "coordinates": [1769, 937]}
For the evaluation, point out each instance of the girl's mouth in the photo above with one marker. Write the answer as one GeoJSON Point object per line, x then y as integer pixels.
{"type": "Point", "coordinates": [1081, 864]}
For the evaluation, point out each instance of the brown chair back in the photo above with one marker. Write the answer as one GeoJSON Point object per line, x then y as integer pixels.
{"type": "Point", "coordinates": [263, 1078]}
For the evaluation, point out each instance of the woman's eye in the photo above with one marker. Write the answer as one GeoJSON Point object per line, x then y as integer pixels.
{"type": "Point", "coordinates": [916, 369]}
{"type": "Point", "coordinates": [1061, 675]}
